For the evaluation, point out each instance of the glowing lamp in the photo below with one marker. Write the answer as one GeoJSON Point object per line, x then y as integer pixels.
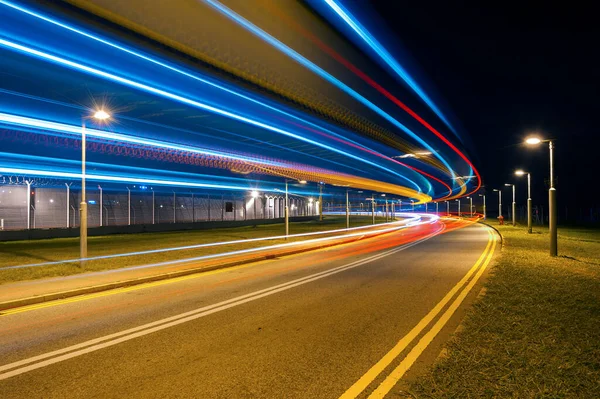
{"type": "Point", "coordinates": [254, 194]}
{"type": "Point", "coordinates": [102, 115]}
{"type": "Point", "coordinates": [519, 172]}
{"type": "Point", "coordinates": [533, 140]}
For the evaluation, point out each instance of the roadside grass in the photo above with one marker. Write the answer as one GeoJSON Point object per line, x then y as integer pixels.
{"type": "Point", "coordinates": [38, 251]}
{"type": "Point", "coordinates": [536, 332]}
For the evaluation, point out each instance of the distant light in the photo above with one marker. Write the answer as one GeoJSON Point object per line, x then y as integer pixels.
{"type": "Point", "coordinates": [383, 195]}
{"type": "Point", "coordinates": [254, 194]}
{"type": "Point", "coordinates": [92, 202]}
{"type": "Point", "coordinates": [519, 172]}
{"type": "Point", "coordinates": [507, 185]}
{"type": "Point", "coordinates": [101, 114]}
{"type": "Point", "coordinates": [302, 181]}
{"type": "Point", "coordinates": [310, 200]}
{"type": "Point", "coordinates": [51, 201]}
{"type": "Point", "coordinates": [533, 140]}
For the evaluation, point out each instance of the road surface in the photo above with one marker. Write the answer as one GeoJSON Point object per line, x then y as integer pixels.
{"type": "Point", "coordinates": [327, 323]}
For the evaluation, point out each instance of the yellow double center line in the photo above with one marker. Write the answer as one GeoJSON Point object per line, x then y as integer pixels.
{"type": "Point", "coordinates": [391, 380]}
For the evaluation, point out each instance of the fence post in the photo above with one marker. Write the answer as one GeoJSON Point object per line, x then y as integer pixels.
{"type": "Point", "coordinates": [28, 204]}
{"type": "Point", "coordinates": [68, 204]}
{"type": "Point", "coordinates": [128, 207]}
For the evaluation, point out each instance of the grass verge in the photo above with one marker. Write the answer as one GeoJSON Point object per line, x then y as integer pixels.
{"type": "Point", "coordinates": [536, 332]}
{"type": "Point", "coordinates": [38, 251]}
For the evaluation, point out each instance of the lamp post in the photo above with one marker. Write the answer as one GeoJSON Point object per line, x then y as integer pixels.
{"type": "Point", "coordinates": [99, 115]}
{"type": "Point", "coordinates": [437, 211]}
{"type": "Point", "coordinates": [514, 206]}
{"type": "Point", "coordinates": [287, 212]}
{"type": "Point", "coordinates": [412, 202]}
{"type": "Point", "coordinates": [552, 208]}
{"type": "Point", "coordinates": [320, 201]}
{"type": "Point", "coordinates": [458, 207]}
{"type": "Point", "coordinates": [447, 207]}
{"type": "Point", "coordinates": [347, 211]}
{"type": "Point", "coordinates": [484, 207]}
{"type": "Point", "coordinates": [499, 202]}
{"type": "Point", "coordinates": [471, 205]}
{"type": "Point", "coordinates": [254, 194]}
{"type": "Point", "coordinates": [529, 215]}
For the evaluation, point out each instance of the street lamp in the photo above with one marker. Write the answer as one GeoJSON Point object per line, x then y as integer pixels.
{"type": "Point", "coordinates": [287, 211]}
{"type": "Point", "coordinates": [551, 195]}
{"type": "Point", "coordinates": [484, 207]}
{"type": "Point", "coordinates": [412, 202]}
{"type": "Point", "coordinates": [254, 194]}
{"type": "Point", "coordinates": [499, 202]}
{"type": "Point", "coordinates": [100, 115]}
{"type": "Point", "coordinates": [514, 206]}
{"type": "Point", "coordinates": [471, 205]}
{"type": "Point", "coordinates": [458, 207]}
{"type": "Point", "coordinates": [529, 216]}
{"type": "Point", "coordinates": [447, 207]}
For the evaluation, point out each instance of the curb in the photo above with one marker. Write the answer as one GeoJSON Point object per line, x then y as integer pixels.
{"type": "Point", "coordinates": [16, 303]}
{"type": "Point", "coordinates": [496, 230]}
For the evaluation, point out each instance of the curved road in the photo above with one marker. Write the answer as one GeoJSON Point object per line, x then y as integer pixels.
{"type": "Point", "coordinates": [324, 324]}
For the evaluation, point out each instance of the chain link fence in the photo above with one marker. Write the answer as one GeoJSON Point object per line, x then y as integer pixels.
{"type": "Point", "coordinates": [25, 206]}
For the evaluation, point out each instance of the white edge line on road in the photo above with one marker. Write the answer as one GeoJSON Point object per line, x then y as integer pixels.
{"type": "Point", "coordinates": [116, 338]}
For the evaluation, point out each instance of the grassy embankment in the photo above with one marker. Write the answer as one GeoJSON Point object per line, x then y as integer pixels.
{"type": "Point", "coordinates": [536, 332]}
{"type": "Point", "coordinates": [38, 251]}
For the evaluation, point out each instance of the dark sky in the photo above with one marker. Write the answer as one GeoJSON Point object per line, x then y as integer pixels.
{"type": "Point", "coordinates": [507, 70]}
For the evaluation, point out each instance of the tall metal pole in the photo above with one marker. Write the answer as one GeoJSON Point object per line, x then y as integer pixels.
{"type": "Point", "coordinates": [28, 200]}
{"type": "Point", "coordinates": [484, 209]}
{"type": "Point", "coordinates": [448, 207]}
{"type": "Point", "coordinates": [83, 204]}
{"type": "Point", "coordinates": [386, 211]}
{"type": "Point", "coordinates": [373, 208]}
{"type": "Point", "coordinates": [321, 202]}
{"type": "Point", "coordinates": [153, 209]}
{"type": "Point", "coordinates": [347, 211]}
{"type": "Point", "coordinates": [128, 207]}
{"type": "Point", "coordinates": [101, 222]}
{"type": "Point", "coordinates": [458, 207]}
{"type": "Point", "coordinates": [174, 207]}
{"type": "Point", "coordinates": [499, 203]}
{"type": "Point", "coordinates": [68, 205]}
{"type": "Point", "coordinates": [286, 214]}
{"type": "Point", "coordinates": [529, 215]}
{"type": "Point", "coordinates": [553, 210]}
{"type": "Point", "coordinates": [437, 207]}
{"type": "Point", "coordinates": [471, 204]}
{"type": "Point", "coordinates": [514, 207]}
{"type": "Point", "coordinates": [393, 211]}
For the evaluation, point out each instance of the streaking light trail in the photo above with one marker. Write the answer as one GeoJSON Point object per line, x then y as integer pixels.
{"type": "Point", "coordinates": [387, 57]}
{"type": "Point", "coordinates": [410, 221]}
{"type": "Point", "coordinates": [321, 72]}
{"type": "Point", "coordinates": [194, 103]}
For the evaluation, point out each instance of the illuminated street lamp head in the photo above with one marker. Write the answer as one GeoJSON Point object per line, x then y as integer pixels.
{"type": "Point", "coordinates": [520, 172]}
{"type": "Point", "coordinates": [507, 184]}
{"type": "Point", "coordinates": [496, 189]}
{"type": "Point", "coordinates": [533, 140]}
{"type": "Point", "coordinates": [310, 200]}
{"type": "Point", "coordinates": [254, 194]}
{"type": "Point", "coordinates": [101, 115]}
{"type": "Point", "coordinates": [302, 181]}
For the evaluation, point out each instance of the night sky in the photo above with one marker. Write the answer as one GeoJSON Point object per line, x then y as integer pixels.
{"type": "Point", "coordinates": [506, 71]}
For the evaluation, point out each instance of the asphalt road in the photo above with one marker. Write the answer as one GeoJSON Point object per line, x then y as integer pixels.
{"type": "Point", "coordinates": [304, 326]}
